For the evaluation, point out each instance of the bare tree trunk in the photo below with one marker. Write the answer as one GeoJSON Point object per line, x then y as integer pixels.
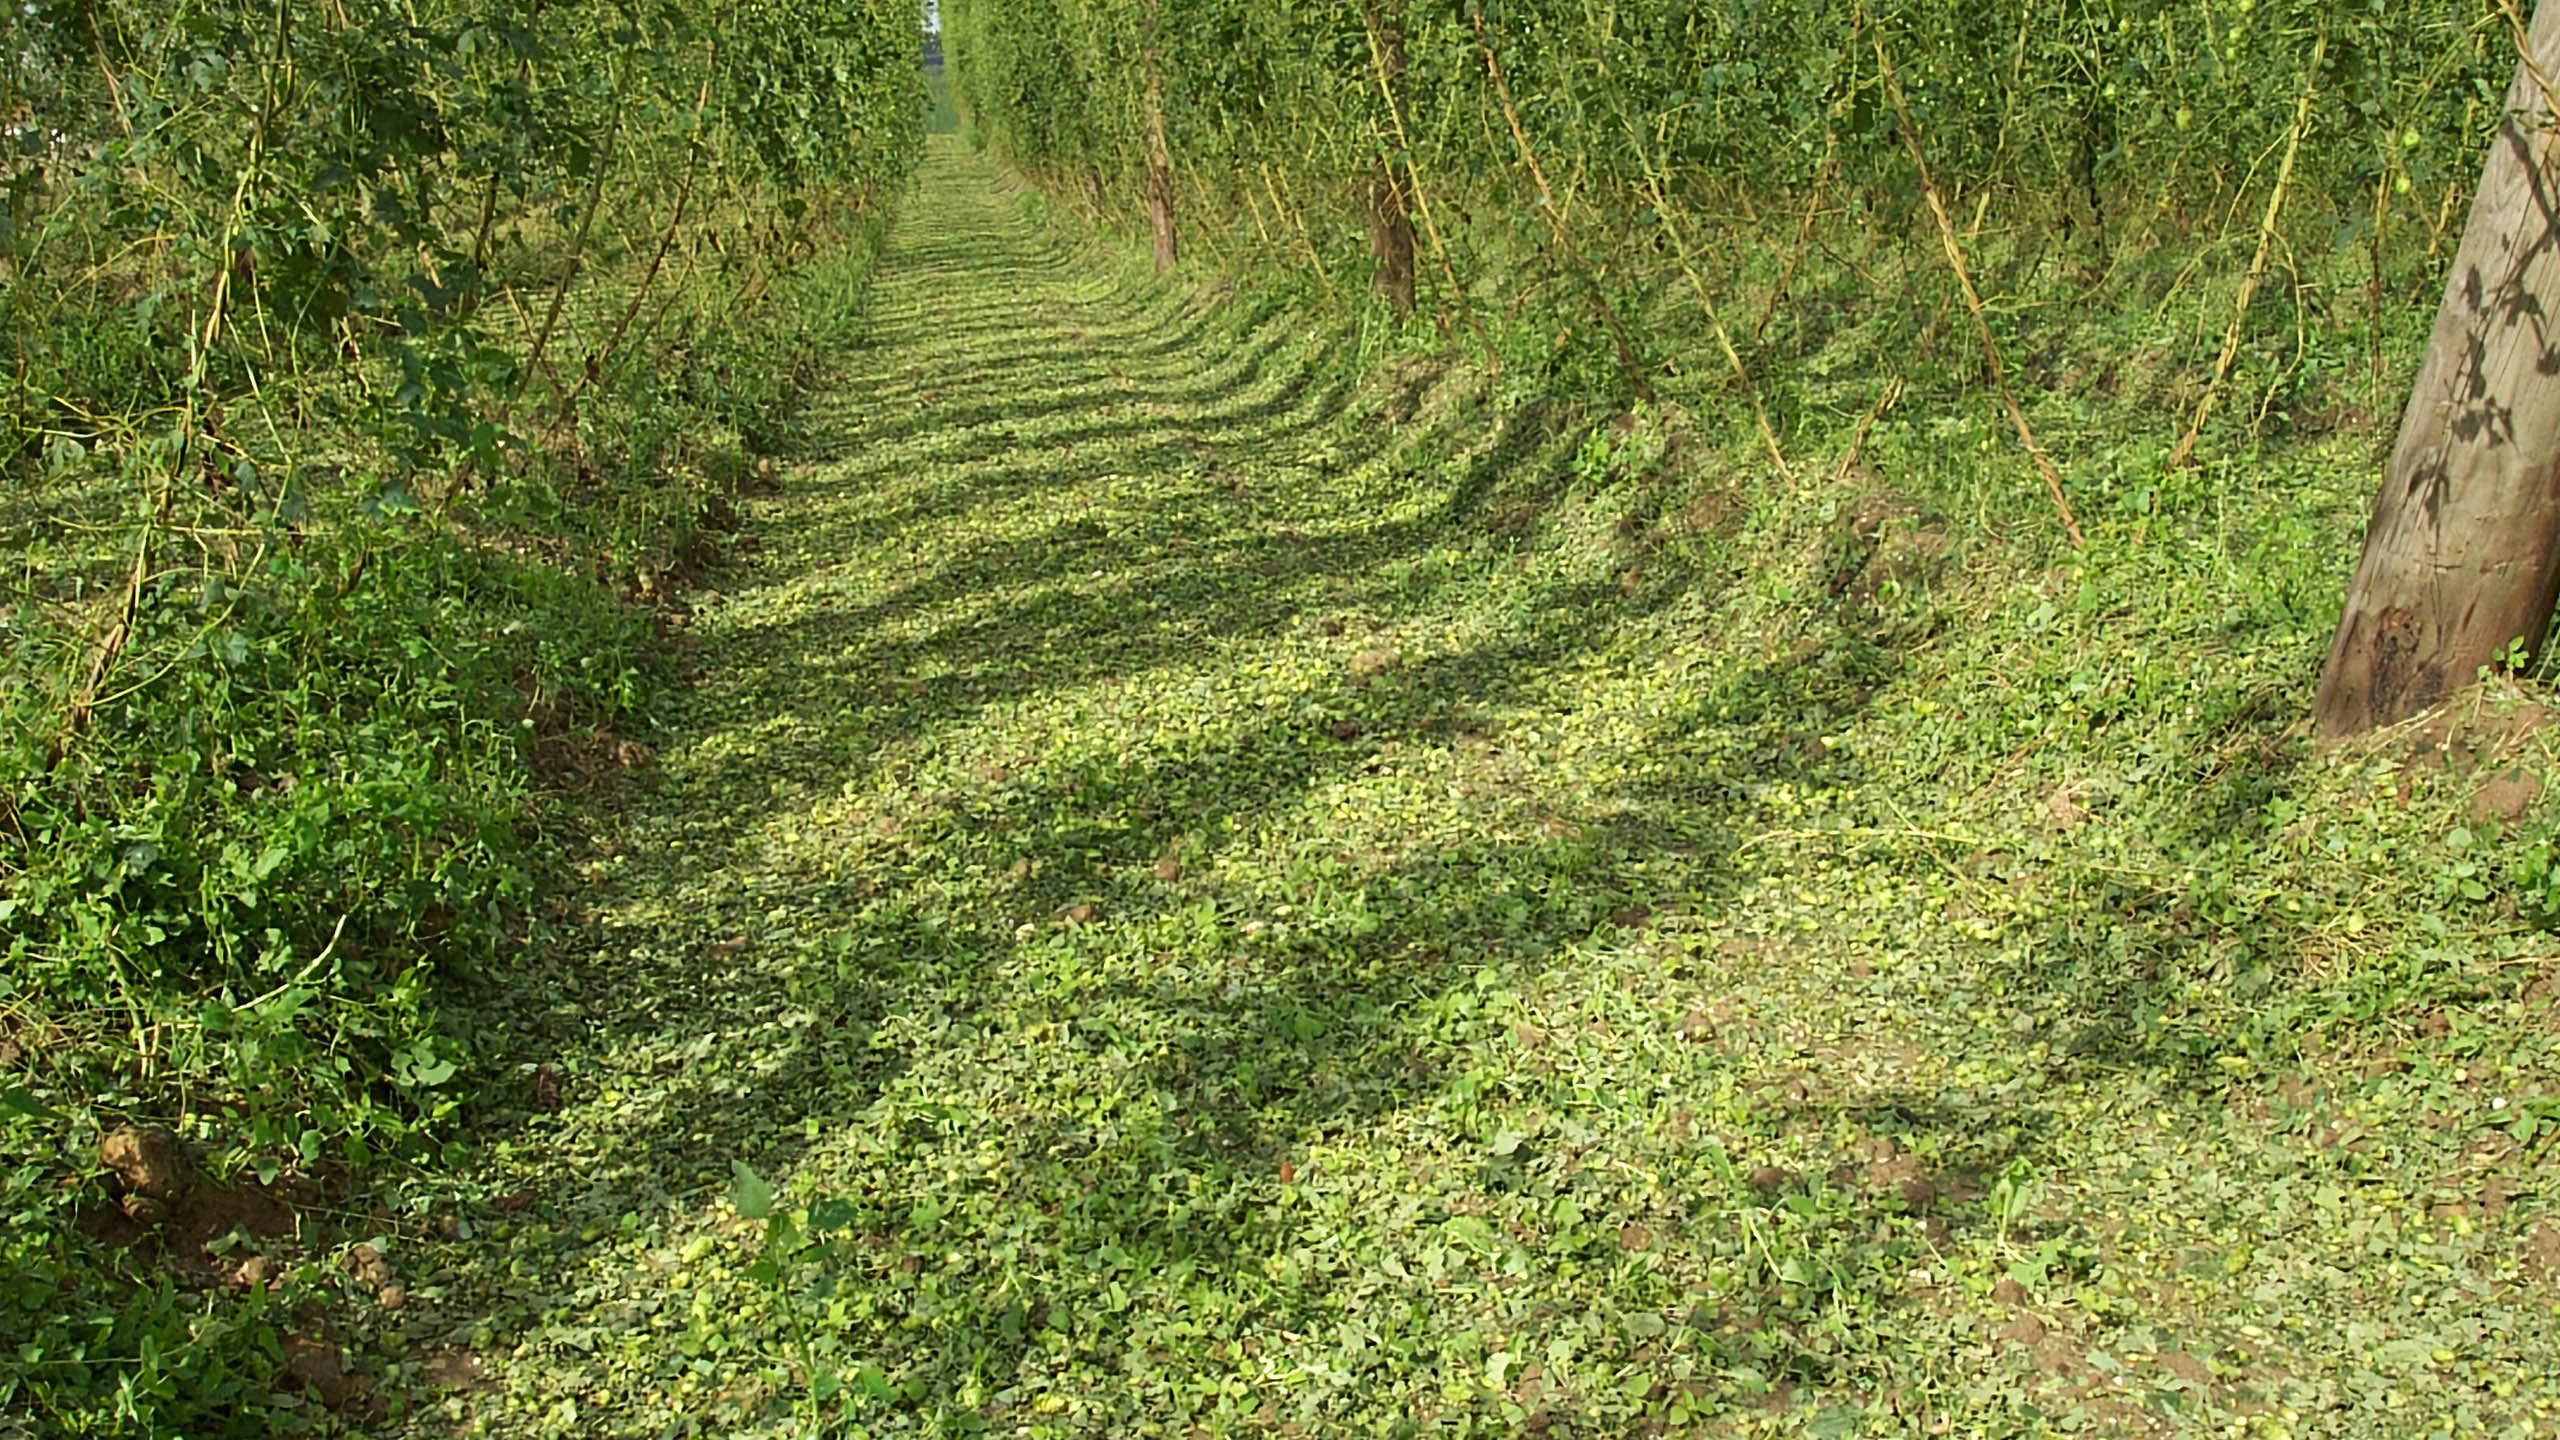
{"type": "Point", "coordinates": [1390, 208]}
{"type": "Point", "coordinates": [2462, 557]}
{"type": "Point", "coordinates": [1159, 154]}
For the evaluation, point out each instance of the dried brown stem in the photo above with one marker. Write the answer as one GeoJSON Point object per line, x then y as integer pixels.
{"type": "Point", "coordinates": [1629, 367]}
{"type": "Point", "coordinates": [1715, 323]}
{"type": "Point", "coordinates": [1804, 233]}
{"type": "Point", "coordinates": [1306, 241]}
{"type": "Point", "coordinates": [1973, 302]}
{"type": "Point", "coordinates": [2179, 458]}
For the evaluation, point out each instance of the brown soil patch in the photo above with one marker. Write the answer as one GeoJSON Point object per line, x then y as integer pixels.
{"type": "Point", "coordinates": [203, 1215]}
{"type": "Point", "coordinates": [318, 1366]}
{"type": "Point", "coordinates": [454, 1370]}
{"type": "Point", "coordinates": [2542, 1252]}
{"type": "Point", "coordinates": [2480, 725]}
{"type": "Point", "coordinates": [2506, 796]}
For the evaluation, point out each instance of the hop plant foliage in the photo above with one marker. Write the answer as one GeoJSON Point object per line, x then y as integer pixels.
{"type": "Point", "coordinates": [370, 374]}
{"type": "Point", "coordinates": [2092, 119]}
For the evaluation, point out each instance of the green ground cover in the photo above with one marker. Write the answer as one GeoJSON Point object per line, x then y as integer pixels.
{"type": "Point", "coordinates": [376, 380]}
{"type": "Point", "coordinates": [1199, 887]}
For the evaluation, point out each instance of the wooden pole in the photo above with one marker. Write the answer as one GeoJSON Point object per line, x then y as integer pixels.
{"type": "Point", "coordinates": [1431, 227]}
{"type": "Point", "coordinates": [1159, 153]}
{"type": "Point", "coordinates": [1390, 212]}
{"type": "Point", "coordinates": [2461, 561]}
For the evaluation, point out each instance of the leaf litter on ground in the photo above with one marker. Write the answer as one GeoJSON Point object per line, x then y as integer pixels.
{"type": "Point", "coordinates": [1155, 916]}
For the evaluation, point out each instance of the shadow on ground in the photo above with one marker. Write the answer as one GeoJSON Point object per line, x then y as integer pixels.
{"type": "Point", "coordinates": [1135, 791]}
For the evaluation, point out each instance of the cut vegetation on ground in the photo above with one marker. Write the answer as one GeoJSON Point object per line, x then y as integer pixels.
{"type": "Point", "coordinates": [1195, 892]}
{"type": "Point", "coordinates": [1497, 719]}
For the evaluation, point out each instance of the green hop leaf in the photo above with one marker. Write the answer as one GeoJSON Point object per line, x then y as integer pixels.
{"type": "Point", "coordinates": [749, 1191]}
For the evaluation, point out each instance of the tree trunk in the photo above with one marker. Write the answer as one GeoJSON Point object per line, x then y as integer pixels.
{"type": "Point", "coordinates": [1390, 209]}
{"type": "Point", "coordinates": [2462, 557]}
{"type": "Point", "coordinates": [1159, 154]}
